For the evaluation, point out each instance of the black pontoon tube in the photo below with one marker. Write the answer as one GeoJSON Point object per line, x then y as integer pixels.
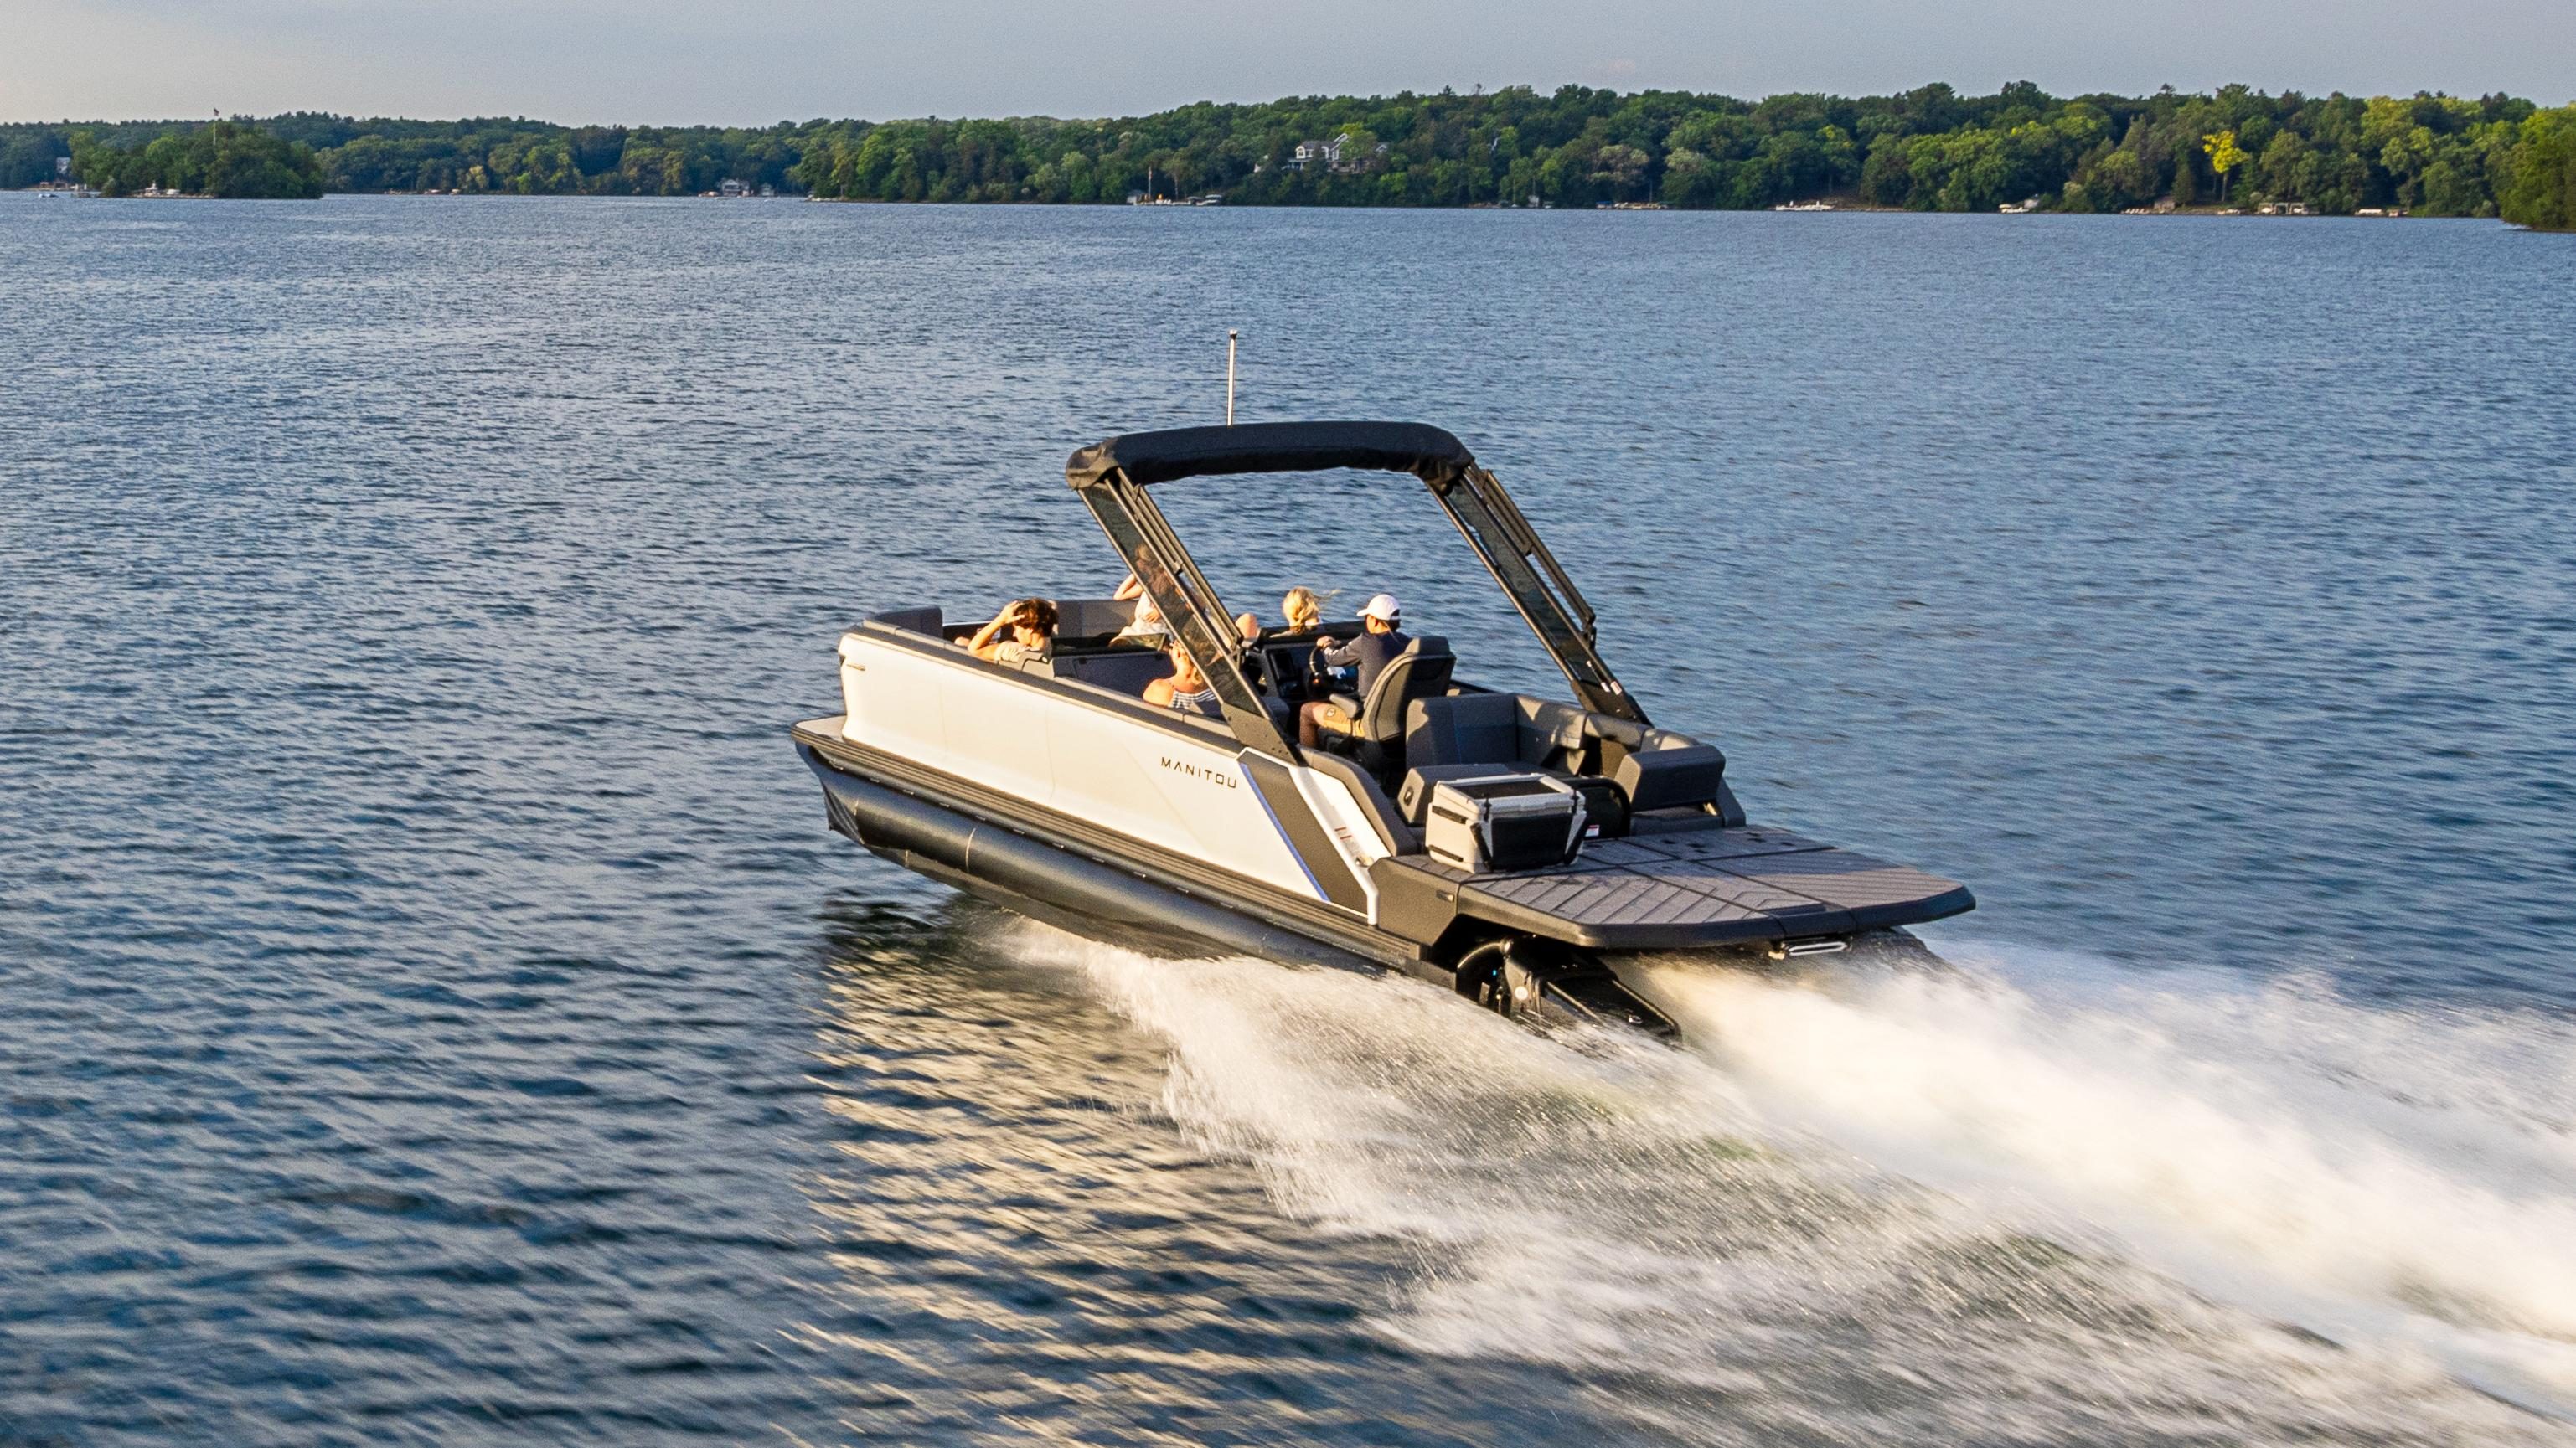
{"type": "Point", "coordinates": [917, 835]}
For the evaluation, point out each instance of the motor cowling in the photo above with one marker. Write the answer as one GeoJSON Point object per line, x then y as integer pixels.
{"type": "Point", "coordinates": [1531, 979]}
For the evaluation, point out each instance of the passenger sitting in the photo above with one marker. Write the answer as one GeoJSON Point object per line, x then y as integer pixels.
{"type": "Point", "coordinates": [1303, 610]}
{"type": "Point", "coordinates": [1030, 624]}
{"type": "Point", "coordinates": [1371, 652]}
{"type": "Point", "coordinates": [1147, 627]}
{"type": "Point", "coordinates": [1186, 690]}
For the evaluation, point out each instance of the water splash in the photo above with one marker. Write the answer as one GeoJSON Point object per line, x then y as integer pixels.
{"type": "Point", "coordinates": [2022, 1200]}
{"type": "Point", "coordinates": [2369, 1173]}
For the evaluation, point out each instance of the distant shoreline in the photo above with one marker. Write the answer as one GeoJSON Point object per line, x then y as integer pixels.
{"type": "Point", "coordinates": [1838, 206]}
{"type": "Point", "coordinates": [1929, 149]}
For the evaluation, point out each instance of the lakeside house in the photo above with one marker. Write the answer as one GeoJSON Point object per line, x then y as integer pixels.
{"type": "Point", "coordinates": [1327, 154]}
{"type": "Point", "coordinates": [1334, 155]}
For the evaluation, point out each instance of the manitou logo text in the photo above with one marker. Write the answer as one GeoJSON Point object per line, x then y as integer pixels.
{"type": "Point", "coordinates": [1201, 771]}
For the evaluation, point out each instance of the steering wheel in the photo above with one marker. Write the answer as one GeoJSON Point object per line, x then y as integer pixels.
{"type": "Point", "coordinates": [1319, 674]}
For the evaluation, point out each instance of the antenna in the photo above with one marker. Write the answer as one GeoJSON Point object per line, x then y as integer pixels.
{"type": "Point", "coordinates": [1229, 377]}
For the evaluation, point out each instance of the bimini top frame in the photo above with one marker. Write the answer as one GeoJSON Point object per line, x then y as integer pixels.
{"type": "Point", "coordinates": [1113, 476]}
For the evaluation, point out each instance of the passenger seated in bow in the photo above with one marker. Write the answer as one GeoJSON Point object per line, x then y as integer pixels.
{"type": "Point", "coordinates": [1379, 642]}
{"type": "Point", "coordinates": [1022, 632]}
{"type": "Point", "coordinates": [1303, 610]}
{"type": "Point", "coordinates": [1186, 690]}
{"type": "Point", "coordinates": [1147, 626]}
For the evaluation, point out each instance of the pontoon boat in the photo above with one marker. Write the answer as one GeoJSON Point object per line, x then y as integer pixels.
{"type": "Point", "coordinates": [1524, 850]}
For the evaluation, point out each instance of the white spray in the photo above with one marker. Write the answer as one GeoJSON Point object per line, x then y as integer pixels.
{"type": "Point", "coordinates": [1925, 1207]}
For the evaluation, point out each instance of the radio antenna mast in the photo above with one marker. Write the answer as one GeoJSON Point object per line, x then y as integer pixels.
{"type": "Point", "coordinates": [1229, 377]}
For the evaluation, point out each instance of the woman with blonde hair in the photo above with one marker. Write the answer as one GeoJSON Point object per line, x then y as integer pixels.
{"type": "Point", "coordinates": [1303, 608]}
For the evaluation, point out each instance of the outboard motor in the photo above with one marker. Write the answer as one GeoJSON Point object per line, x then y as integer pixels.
{"type": "Point", "coordinates": [1526, 977]}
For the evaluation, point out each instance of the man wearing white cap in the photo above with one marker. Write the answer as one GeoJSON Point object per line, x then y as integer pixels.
{"type": "Point", "coordinates": [1371, 652]}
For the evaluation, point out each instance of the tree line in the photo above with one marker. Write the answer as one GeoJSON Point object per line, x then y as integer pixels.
{"type": "Point", "coordinates": [230, 159]}
{"type": "Point", "coordinates": [1926, 149]}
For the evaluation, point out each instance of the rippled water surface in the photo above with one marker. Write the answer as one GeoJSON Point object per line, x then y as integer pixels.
{"type": "Point", "coordinates": [435, 1011]}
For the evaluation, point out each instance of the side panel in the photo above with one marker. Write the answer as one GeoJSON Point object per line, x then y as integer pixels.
{"type": "Point", "coordinates": [1353, 839]}
{"type": "Point", "coordinates": [1186, 794]}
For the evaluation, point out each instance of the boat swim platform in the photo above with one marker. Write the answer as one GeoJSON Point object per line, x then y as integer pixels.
{"type": "Point", "coordinates": [1695, 888]}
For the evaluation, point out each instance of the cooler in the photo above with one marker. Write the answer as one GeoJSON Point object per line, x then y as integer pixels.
{"type": "Point", "coordinates": [1503, 822]}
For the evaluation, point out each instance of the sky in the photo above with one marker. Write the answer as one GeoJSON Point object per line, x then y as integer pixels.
{"type": "Point", "coordinates": [758, 61]}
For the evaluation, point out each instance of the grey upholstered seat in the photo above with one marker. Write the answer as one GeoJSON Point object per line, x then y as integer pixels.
{"type": "Point", "coordinates": [1463, 729]}
{"type": "Point", "coordinates": [917, 620]}
{"type": "Point", "coordinates": [1120, 671]}
{"type": "Point", "coordinates": [1377, 733]}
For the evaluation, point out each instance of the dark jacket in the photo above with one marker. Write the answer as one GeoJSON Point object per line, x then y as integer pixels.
{"type": "Point", "coordinates": [1371, 651]}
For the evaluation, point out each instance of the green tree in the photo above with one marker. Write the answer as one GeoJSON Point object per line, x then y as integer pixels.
{"type": "Point", "coordinates": [2542, 193]}
{"type": "Point", "coordinates": [1928, 148]}
{"type": "Point", "coordinates": [1620, 170]}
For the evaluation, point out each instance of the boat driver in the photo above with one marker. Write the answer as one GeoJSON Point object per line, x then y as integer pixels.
{"type": "Point", "coordinates": [1030, 624]}
{"type": "Point", "coordinates": [1378, 644]}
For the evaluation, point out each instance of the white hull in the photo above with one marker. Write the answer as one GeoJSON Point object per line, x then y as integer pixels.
{"type": "Point", "coordinates": [1180, 784]}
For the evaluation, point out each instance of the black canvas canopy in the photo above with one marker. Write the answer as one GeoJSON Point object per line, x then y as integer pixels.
{"type": "Point", "coordinates": [1427, 452]}
{"type": "Point", "coordinates": [1115, 478]}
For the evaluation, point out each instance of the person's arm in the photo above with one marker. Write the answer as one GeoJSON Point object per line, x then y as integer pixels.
{"type": "Point", "coordinates": [982, 645]}
{"type": "Point", "coordinates": [1132, 588]}
{"type": "Point", "coordinates": [1158, 692]}
{"type": "Point", "coordinates": [1340, 656]}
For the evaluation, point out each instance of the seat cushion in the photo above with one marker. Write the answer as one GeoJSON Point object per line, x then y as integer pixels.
{"type": "Point", "coordinates": [1078, 618]}
{"type": "Point", "coordinates": [1463, 729]}
{"type": "Point", "coordinates": [1120, 671]}
{"type": "Point", "coordinates": [918, 620]}
{"type": "Point", "coordinates": [1663, 778]}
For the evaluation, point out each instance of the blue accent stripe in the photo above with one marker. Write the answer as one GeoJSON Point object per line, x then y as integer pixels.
{"type": "Point", "coordinates": [1308, 838]}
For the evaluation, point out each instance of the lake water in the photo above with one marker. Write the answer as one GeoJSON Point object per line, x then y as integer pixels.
{"type": "Point", "coordinates": [436, 1012]}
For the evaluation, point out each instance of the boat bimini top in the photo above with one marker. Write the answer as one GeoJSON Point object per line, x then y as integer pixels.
{"type": "Point", "coordinates": [1113, 478]}
{"type": "Point", "coordinates": [1520, 848]}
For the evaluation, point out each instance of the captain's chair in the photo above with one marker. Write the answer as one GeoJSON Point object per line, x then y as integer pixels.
{"type": "Point", "coordinates": [1377, 729]}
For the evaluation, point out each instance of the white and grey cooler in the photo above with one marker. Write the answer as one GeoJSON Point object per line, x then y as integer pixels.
{"type": "Point", "coordinates": [1503, 822]}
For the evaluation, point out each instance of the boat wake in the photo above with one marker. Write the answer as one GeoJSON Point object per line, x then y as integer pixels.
{"type": "Point", "coordinates": [2032, 1197]}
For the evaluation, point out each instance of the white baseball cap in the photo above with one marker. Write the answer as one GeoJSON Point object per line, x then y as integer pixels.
{"type": "Point", "coordinates": [1383, 606]}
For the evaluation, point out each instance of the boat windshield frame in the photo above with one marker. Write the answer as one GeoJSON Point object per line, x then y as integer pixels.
{"type": "Point", "coordinates": [1114, 478]}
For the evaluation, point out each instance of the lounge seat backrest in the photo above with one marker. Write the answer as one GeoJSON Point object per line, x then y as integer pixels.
{"type": "Point", "coordinates": [1120, 671]}
{"type": "Point", "coordinates": [1462, 729]}
{"type": "Point", "coordinates": [1553, 732]}
{"type": "Point", "coordinates": [1670, 772]}
{"type": "Point", "coordinates": [1423, 668]}
{"type": "Point", "coordinates": [917, 620]}
{"type": "Point", "coordinates": [1083, 618]}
